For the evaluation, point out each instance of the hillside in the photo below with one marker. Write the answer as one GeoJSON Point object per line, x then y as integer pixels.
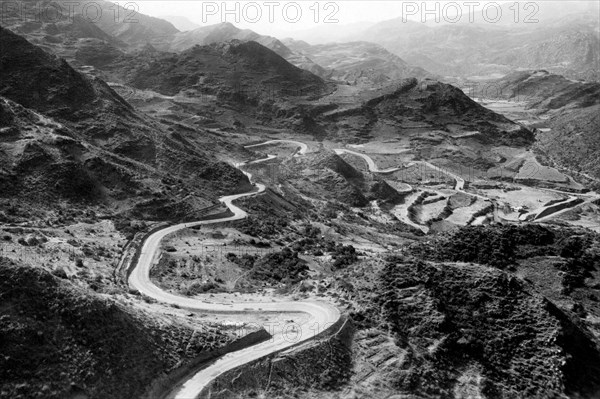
{"type": "Point", "coordinates": [131, 26]}
{"type": "Point", "coordinates": [544, 91]}
{"type": "Point", "coordinates": [67, 136]}
{"type": "Point", "coordinates": [246, 70]}
{"type": "Point", "coordinates": [418, 107]}
{"type": "Point", "coordinates": [570, 113]}
{"type": "Point", "coordinates": [60, 341]}
{"type": "Point", "coordinates": [357, 62]}
{"type": "Point", "coordinates": [69, 35]}
{"type": "Point", "coordinates": [466, 329]}
{"type": "Point", "coordinates": [224, 32]}
{"type": "Point", "coordinates": [36, 79]}
{"type": "Point", "coordinates": [573, 141]}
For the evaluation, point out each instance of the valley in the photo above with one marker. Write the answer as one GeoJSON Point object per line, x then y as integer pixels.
{"type": "Point", "coordinates": [218, 213]}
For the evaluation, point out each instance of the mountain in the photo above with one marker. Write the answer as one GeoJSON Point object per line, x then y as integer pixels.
{"type": "Point", "coordinates": [330, 33]}
{"type": "Point", "coordinates": [46, 83]}
{"type": "Point", "coordinates": [73, 37]}
{"type": "Point", "coordinates": [230, 69]}
{"type": "Point", "coordinates": [545, 91]}
{"type": "Point", "coordinates": [181, 23]}
{"type": "Point", "coordinates": [357, 62]}
{"type": "Point", "coordinates": [570, 110]}
{"type": "Point", "coordinates": [568, 46]}
{"type": "Point", "coordinates": [573, 142]}
{"type": "Point", "coordinates": [424, 116]}
{"type": "Point", "coordinates": [131, 26]}
{"type": "Point", "coordinates": [70, 137]}
{"type": "Point", "coordinates": [224, 32]}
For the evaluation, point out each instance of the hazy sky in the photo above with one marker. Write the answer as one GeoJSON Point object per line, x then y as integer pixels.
{"type": "Point", "coordinates": [280, 17]}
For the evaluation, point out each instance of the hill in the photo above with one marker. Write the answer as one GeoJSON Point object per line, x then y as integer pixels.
{"type": "Point", "coordinates": [246, 70]}
{"type": "Point", "coordinates": [544, 91]}
{"type": "Point", "coordinates": [60, 341]}
{"type": "Point", "coordinates": [131, 26]}
{"type": "Point", "coordinates": [357, 62]}
{"type": "Point", "coordinates": [418, 107]}
{"type": "Point", "coordinates": [66, 136]}
{"type": "Point", "coordinates": [226, 32]}
{"type": "Point", "coordinates": [570, 113]}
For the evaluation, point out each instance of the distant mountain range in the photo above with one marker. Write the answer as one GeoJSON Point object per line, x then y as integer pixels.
{"type": "Point", "coordinates": [82, 42]}
{"type": "Point", "coordinates": [181, 23]}
{"type": "Point", "coordinates": [569, 45]}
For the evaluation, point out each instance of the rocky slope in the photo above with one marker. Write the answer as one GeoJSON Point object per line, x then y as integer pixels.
{"type": "Point", "coordinates": [570, 110]}
{"type": "Point", "coordinates": [426, 104]}
{"type": "Point", "coordinates": [544, 91]}
{"type": "Point", "coordinates": [246, 72]}
{"type": "Point", "coordinates": [573, 141]}
{"type": "Point", "coordinates": [131, 26]}
{"type": "Point", "coordinates": [59, 341]}
{"type": "Point", "coordinates": [68, 136]}
{"type": "Point", "coordinates": [468, 329]}
{"type": "Point", "coordinates": [68, 34]}
{"type": "Point", "coordinates": [226, 31]}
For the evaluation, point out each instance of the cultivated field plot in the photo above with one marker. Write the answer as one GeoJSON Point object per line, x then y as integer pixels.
{"type": "Point", "coordinates": [461, 216]}
{"type": "Point", "coordinates": [431, 210]}
{"type": "Point", "coordinates": [280, 150]}
{"type": "Point", "coordinates": [399, 186]}
{"type": "Point", "coordinates": [514, 197]}
{"type": "Point", "coordinates": [419, 173]}
{"type": "Point", "coordinates": [356, 162]}
{"type": "Point", "coordinates": [533, 170]}
{"type": "Point", "coordinates": [387, 147]}
{"type": "Point", "coordinates": [513, 110]}
{"type": "Point", "coordinates": [401, 212]}
{"type": "Point", "coordinates": [385, 161]}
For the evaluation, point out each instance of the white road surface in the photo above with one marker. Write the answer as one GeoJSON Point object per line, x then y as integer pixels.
{"type": "Point", "coordinates": [321, 315]}
{"type": "Point", "coordinates": [372, 167]}
{"type": "Point", "coordinates": [302, 151]}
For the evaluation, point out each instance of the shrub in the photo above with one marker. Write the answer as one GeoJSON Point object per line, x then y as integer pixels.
{"type": "Point", "coordinates": [284, 266]}
{"type": "Point", "coordinates": [60, 273]}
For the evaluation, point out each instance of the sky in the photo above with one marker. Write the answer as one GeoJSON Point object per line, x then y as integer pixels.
{"type": "Point", "coordinates": [281, 17]}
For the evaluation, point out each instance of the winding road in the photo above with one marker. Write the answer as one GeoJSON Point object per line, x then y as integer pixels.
{"type": "Point", "coordinates": [372, 167]}
{"type": "Point", "coordinates": [302, 151]}
{"type": "Point", "coordinates": [322, 315]}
